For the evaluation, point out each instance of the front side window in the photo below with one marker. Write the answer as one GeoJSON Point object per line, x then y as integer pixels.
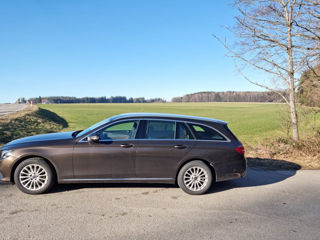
{"type": "Point", "coordinates": [123, 130]}
{"type": "Point", "coordinates": [159, 129]}
{"type": "Point", "coordinates": [206, 133]}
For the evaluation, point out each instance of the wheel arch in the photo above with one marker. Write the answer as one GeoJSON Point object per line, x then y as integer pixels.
{"type": "Point", "coordinates": [197, 159]}
{"type": "Point", "coordinates": [16, 164]}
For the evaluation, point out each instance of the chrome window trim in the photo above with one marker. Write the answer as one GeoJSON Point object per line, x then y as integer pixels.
{"type": "Point", "coordinates": [158, 119]}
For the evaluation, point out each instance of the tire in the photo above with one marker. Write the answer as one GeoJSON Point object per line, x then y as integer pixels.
{"type": "Point", "coordinates": [34, 176]}
{"type": "Point", "coordinates": [195, 178]}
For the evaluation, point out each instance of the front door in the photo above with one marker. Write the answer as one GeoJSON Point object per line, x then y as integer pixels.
{"type": "Point", "coordinates": [113, 156]}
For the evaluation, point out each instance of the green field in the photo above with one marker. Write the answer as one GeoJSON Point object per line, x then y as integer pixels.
{"type": "Point", "coordinates": [251, 122]}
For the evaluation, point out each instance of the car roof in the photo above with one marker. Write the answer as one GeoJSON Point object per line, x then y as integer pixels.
{"type": "Point", "coordinates": [165, 116]}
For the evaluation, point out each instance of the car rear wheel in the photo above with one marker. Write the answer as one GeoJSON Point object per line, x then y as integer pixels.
{"type": "Point", "coordinates": [195, 178]}
{"type": "Point", "coordinates": [34, 176]}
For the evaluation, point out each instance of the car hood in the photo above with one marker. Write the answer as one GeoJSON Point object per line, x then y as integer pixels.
{"type": "Point", "coordinates": [40, 138]}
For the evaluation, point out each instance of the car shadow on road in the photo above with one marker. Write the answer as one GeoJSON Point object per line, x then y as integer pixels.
{"type": "Point", "coordinates": [77, 186]}
{"type": "Point", "coordinates": [258, 174]}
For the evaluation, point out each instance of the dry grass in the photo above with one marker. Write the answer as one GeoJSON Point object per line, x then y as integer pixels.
{"type": "Point", "coordinates": [277, 153]}
{"type": "Point", "coordinates": [30, 121]}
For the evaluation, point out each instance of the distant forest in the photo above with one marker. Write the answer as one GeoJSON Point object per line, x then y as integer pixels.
{"type": "Point", "coordinates": [230, 96]}
{"type": "Point", "coordinates": [64, 99]}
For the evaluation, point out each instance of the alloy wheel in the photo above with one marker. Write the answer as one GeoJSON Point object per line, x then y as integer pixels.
{"type": "Point", "coordinates": [33, 177]}
{"type": "Point", "coordinates": [195, 178]}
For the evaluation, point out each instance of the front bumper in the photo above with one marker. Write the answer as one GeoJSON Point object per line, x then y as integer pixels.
{"type": "Point", "coordinates": [5, 169]}
{"type": "Point", "coordinates": [4, 178]}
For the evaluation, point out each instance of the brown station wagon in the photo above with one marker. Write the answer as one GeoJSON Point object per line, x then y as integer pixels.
{"type": "Point", "coordinates": [191, 151]}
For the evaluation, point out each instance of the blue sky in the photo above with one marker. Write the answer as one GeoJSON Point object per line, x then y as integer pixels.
{"type": "Point", "coordinates": [140, 48]}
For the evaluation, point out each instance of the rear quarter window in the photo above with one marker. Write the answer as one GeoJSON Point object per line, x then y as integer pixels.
{"type": "Point", "coordinates": [230, 132]}
{"type": "Point", "coordinates": [206, 133]}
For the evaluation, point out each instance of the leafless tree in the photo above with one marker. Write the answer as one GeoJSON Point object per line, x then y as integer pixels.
{"type": "Point", "coordinates": [279, 37]}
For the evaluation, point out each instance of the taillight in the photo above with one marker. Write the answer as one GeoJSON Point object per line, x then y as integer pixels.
{"type": "Point", "coordinates": [240, 150]}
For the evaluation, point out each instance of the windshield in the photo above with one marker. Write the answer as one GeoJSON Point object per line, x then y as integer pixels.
{"type": "Point", "coordinates": [84, 132]}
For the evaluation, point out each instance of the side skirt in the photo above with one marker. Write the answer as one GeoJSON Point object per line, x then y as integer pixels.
{"type": "Point", "coordinates": [117, 180]}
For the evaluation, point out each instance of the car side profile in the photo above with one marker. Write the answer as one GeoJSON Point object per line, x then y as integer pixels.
{"type": "Point", "coordinates": [191, 151]}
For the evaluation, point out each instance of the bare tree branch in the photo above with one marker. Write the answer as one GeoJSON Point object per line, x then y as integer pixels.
{"type": "Point", "coordinates": [280, 38]}
{"type": "Point", "coordinates": [261, 85]}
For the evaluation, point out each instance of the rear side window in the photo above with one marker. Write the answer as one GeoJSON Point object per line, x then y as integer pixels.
{"type": "Point", "coordinates": [206, 133]}
{"type": "Point", "coordinates": [182, 132]}
{"type": "Point", "coordinates": [160, 129]}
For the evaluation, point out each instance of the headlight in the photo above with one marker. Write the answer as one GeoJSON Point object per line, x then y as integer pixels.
{"type": "Point", "coordinates": [6, 154]}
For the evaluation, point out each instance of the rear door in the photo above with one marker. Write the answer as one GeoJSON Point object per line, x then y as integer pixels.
{"type": "Point", "coordinates": [160, 146]}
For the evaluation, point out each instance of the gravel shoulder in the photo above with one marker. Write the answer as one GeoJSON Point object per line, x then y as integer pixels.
{"type": "Point", "coordinates": [263, 205]}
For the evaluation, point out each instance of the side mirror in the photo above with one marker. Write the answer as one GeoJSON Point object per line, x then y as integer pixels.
{"type": "Point", "coordinates": [93, 139]}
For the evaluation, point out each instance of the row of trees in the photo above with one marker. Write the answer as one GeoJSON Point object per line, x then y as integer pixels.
{"type": "Point", "coordinates": [309, 87]}
{"type": "Point", "coordinates": [116, 99]}
{"type": "Point", "coordinates": [230, 96]}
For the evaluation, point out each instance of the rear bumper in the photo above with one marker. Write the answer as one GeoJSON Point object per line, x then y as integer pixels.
{"type": "Point", "coordinates": [244, 173]}
{"type": "Point", "coordinates": [232, 170]}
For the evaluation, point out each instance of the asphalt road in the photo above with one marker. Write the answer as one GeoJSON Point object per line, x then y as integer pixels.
{"type": "Point", "coordinates": [264, 205]}
{"type": "Point", "coordinates": [11, 108]}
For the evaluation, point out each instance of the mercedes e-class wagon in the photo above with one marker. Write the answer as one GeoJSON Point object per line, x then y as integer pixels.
{"type": "Point", "coordinates": [191, 151]}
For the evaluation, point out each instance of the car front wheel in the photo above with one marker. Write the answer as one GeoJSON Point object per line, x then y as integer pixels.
{"type": "Point", "coordinates": [34, 176]}
{"type": "Point", "coordinates": [195, 178]}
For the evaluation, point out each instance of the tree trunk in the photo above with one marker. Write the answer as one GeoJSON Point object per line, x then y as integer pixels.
{"type": "Point", "coordinates": [293, 113]}
{"type": "Point", "coordinates": [292, 94]}
{"type": "Point", "coordinates": [292, 90]}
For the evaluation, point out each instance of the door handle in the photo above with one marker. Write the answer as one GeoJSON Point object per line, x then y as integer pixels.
{"type": "Point", "coordinates": [180, 146]}
{"type": "Point", "coordinates": [126, 145]}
